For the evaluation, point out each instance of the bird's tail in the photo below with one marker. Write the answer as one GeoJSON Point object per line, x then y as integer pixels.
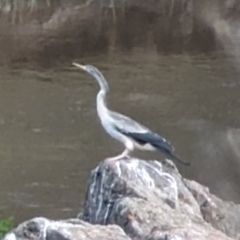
{"type": "Point", "coordinates": [167, 149]}
{"type": "Point", "coordinates": [174, 157]}
{"type": "Point", "coordinates": [157, 142]}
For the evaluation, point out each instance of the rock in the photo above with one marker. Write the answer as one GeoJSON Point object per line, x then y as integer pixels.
{"type": "Point", "coordinates": [140, 200]}
{"type": "Point", "coordinates": [222, 215]}
{"type": "Point", "coordinates": [148, 200]}
{"type": "Point", "coordinates": [72, 229]}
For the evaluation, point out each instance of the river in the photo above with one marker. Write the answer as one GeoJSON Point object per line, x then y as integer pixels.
{"type": "Point", "coordinates": [51, 137]}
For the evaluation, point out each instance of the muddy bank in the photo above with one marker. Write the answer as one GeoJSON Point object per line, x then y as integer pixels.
{"type": "Point", "coordinates": [65, 31]}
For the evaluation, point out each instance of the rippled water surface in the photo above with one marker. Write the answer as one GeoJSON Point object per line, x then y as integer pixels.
{"type": "Point", "coordinates": [51, 138]}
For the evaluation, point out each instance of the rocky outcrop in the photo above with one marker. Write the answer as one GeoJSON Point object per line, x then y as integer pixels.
{"type": "Point", "coordinates": [140, 200]}
{"type": "Point", "coordinates": [149, 200]}
{"type": "Point", "coordinates": [72, 229]}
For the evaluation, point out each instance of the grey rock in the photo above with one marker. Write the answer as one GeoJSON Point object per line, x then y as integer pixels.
{"type": "Point", "coordinates": [140, 200]}
{"type": "Point", "coordinates": [71, 229]}
{"type": "Point", "coordinates": [148, 200]}
{"type": "Point", "coordinates": [222, 215]}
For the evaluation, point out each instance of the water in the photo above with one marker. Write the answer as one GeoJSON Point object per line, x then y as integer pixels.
{"type": "Point", "coordinates": [51, 138]}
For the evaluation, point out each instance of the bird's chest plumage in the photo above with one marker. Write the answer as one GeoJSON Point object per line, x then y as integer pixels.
{"type": "Point", "coordinates": [109, 127]}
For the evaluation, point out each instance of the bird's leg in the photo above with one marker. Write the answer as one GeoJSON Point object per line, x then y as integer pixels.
{"type": "Point", "coordinates": [120, 156]}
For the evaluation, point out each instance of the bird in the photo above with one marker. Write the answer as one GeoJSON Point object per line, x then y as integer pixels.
{"type": "Point", "coordinates": [124, 129]}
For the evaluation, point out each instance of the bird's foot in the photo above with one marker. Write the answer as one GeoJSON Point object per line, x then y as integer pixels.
{"type": "Point", "coordinates": [113, 159]}
{"type": "Point", "coordinates": [117, 158]}
{"type": "Point", "coordinates": [127, 156]}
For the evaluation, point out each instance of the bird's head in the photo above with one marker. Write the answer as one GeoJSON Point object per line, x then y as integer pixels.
{"type": "Point", "coordinates": [88, 68]}
{"type": "Point", "coordinates": [95, 73]}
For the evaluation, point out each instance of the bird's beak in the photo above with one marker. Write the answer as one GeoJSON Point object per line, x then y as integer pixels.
{"type": "Point", "coordinates": [79, 66]}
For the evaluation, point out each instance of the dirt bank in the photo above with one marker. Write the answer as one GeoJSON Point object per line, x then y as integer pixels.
{"type": "Point", "coordinates": [63, 31]}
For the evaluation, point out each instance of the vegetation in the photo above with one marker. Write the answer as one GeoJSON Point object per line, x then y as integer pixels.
{"type": "Point", "coordinates": [5, 226]}
{"type": "Point", "coordinates": [30, 4]}
{"type": "Point", "coordinates": [17, 9]}
{"type": "Point", "coordinates": [20, 4]}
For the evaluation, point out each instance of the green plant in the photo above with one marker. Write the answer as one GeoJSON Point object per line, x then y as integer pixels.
{"type": "Point", "coordinates": [5, 226]}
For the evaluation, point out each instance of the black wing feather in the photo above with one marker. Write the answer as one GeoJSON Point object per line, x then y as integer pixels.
{"type": "Point", "coordinates": [156, 141]}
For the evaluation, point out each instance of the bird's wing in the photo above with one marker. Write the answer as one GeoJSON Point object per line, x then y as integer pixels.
{"type": "Point", "coordinates": [127, 124]}
{"type": "Point", "coordinates": [143, 135]}
{"type": "Point", "coordinates": [138, 132]}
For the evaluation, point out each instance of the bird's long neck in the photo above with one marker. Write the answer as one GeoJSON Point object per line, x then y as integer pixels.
{"type": "Point", "coordinates": [101, 97]}
{"type": "Point", "coordinates": [101, 103]}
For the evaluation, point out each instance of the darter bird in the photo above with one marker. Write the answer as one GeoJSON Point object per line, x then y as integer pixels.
{"type": "Point", "coordinates": [124, 129]}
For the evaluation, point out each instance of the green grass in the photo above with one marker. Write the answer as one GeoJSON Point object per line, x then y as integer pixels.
{"type": "Point", "coordinates": [5, 226]}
